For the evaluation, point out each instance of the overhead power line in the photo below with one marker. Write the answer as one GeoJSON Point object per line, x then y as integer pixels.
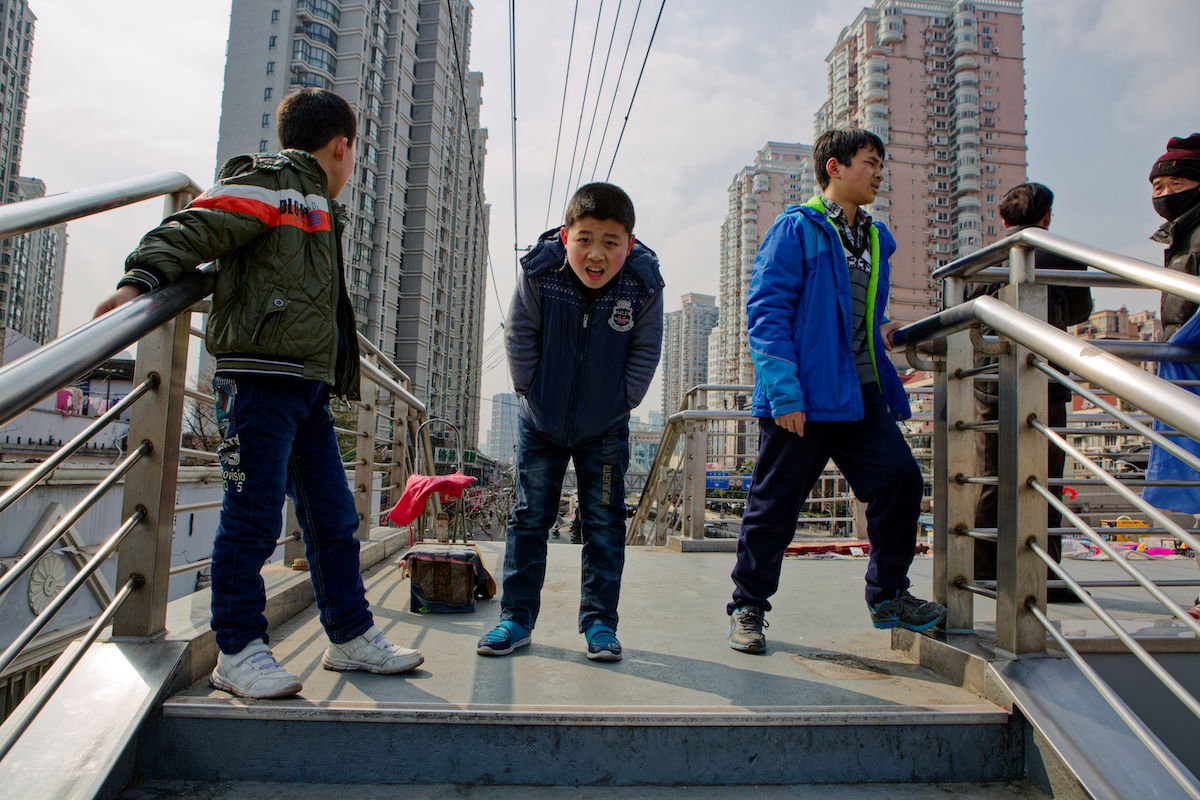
{"type": "Point", "coordinates": [462, 96]}
{"type": "Point", "coordinates": [616, 90]}
{"type": "Point", "coordinates": [561, 111]}
{"type": "Point", "coordinates": [637, 85]}
{"type": "Point", "coordinates": [583, 104]}
{"type": "Point", "coordinates": [599, 91]}
{"type": "Point", "coordinates": [512, 80]}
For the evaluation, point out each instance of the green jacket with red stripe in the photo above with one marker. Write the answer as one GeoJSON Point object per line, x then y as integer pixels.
{"type": "Point", "coordinates": [280, 305]}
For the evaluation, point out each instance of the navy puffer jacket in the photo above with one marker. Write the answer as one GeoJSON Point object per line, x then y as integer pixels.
{"type": "Point", "coordinates": [580, 366]}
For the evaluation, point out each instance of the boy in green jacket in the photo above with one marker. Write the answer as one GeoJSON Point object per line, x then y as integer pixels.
{"type": "Point", "coordinates": [282, 332]}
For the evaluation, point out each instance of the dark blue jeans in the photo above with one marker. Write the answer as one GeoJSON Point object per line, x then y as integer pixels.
{"type": "Point", "coordinates": [277, 436]}
{"type": "Point", "coordinates": [877, 463]}
{"type": "Point", "coordinates": [600, 471]}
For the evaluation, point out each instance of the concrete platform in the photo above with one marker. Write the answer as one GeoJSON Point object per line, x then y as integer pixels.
{"type": "Point", "coordinates": [823, 650]}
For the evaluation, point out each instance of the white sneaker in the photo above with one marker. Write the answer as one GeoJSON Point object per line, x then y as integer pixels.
{"type": "Point", "coordinates": [371, 652]}
{"type": "Point", "coordinates": [254, 672]}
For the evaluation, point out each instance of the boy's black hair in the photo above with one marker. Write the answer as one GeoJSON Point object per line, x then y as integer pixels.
{"type": "Point", "coordinates": [601, 201]}
{"type": "Point", "coordinates": [842, 144]}
{"type": "Point", "coordinates": [1026, 204]}
{"type": "Point", "coordinates": [309, 118]}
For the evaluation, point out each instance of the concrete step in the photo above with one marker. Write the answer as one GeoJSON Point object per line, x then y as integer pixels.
{"type": "Point", "coordinates": [201, 738]}
{"type": "Point", "coordinates": [251, 790]}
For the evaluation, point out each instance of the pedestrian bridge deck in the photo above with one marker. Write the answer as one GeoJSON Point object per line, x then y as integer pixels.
{"type": "Point", "coordinates": [823, 652]}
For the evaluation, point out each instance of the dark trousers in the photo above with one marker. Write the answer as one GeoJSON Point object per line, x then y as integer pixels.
{"type": "Point", "coordinates": [277, 437]}
{"type": "Point", "coordinates": [600, 471]}
{"type": "Point", "coordinates": [878, 464]}
{"type": "Point", "coordinates": [985, 508]}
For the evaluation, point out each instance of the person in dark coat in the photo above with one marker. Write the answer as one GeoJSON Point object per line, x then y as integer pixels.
{"type": "Point", "coordinates": [1028, 205]}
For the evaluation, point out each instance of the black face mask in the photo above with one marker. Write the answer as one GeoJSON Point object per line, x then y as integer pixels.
{"type": "Point", "coordinates": [1171, 206]}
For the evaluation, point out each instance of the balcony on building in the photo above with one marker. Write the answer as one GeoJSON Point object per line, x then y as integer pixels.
{"type": "Point", "coordinates": [876, 65]}
{"type": "Point", "coordinates": [966, 78]}
{"type": "Point", "coordinates": [964, 42]}
{"type": "Point", "coordinates": [875, 111]}
{"type": "Point", "coordinates": [876, 91]}
{"type": "Point", "coordinates": [964, 185]}
{"type": "Point", "coordinates": [890, 31]}
{"type": "Point", "coordinates": [966, 61]}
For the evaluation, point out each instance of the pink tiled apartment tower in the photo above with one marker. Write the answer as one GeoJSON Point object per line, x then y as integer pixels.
{"type": "Point", "coordinates": [942, 83]}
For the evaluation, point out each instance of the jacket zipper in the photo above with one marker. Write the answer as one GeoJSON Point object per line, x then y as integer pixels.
{"type": "Point", "coordinates": [580, 358]}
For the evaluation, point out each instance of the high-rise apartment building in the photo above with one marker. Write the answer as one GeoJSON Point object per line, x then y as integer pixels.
{"type": "Point", "coordinates": [685, 347]}
{"type": "Point", "coordinates": [416, 245]}
{"type": "Point", "coordinates": [941, 82]}
{"type": "Point", "coordinates": [31, 265]}
{"type": "Point", "coordinates": [502, 437]}
{"type": "Point", "coordinates": [35, 283]}
{"type": "Point", "coordinates": [782, 174]}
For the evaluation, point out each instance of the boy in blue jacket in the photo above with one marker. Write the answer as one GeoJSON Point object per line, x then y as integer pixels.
{"type": "Point", "coordinates": [825, 389]}
{"type": "Point", "coordinates": [583, 335]}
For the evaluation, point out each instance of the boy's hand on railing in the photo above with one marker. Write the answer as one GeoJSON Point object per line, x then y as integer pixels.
{"type": "Point", "coordinates": [886, 330]}
{"type": "Point", "coordinates": [118, 298]}
{"type": "Point", "coordinates": [793, 422]}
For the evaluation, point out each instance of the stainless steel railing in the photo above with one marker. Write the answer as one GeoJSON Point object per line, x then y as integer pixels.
{"type": "Point", "coordinates": [1024, 348]}
{"type": "Point", "coordinates": [389, 416]}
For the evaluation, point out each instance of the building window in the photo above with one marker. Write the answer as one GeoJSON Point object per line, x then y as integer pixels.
{"type": "Point", "coordinates": [267, 93]}
{"type": "Point", "coordinates": [275, 15]}
{"type": "Point", "coordinates": [271, 40]}
{"type": "Point", "coordinates": [262, 145]}
{"type": "Point", "coordinates": [270, 67]}
{"type": "Point", "coordinates": [266, 120]}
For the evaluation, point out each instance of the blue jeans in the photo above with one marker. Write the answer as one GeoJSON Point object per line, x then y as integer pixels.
{"type": "Point", "coordinates": [277, 436]}
{"type": "Point", "coordinates": [879, 466]}
{"type": "Point", "coordinates": [600, 471]}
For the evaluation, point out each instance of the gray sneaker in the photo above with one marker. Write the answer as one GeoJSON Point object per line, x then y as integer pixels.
{"type": "Point", "coordinates": [906, 611]}
{"type": "Point", "coordinates": [746, 625]}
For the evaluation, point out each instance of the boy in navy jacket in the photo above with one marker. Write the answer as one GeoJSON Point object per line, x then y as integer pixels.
{"type": "Point", "coordinates": [584, 334]}
{"type": "Point", "coordinates": [824, 389]}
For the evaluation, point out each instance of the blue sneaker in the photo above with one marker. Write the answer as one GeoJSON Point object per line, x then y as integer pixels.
{"type": "Point", "coordinates": [503, 639]}
{"type": "Point", "coordinates": [602, 644]}
{"type": "Point", "coordinates": [906, 611]}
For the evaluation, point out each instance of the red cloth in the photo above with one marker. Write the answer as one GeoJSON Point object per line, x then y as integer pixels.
{"type": "Point", "coordinates": [417, 490]}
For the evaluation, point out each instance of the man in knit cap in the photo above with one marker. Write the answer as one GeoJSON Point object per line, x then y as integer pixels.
{"type": "Point", "coordinates": [1175, 182]}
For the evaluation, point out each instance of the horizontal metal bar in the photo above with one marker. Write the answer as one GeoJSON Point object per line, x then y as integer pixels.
{"type": "Point", "coordinates": [1164, 677]}
{"type": "Point", "coordinates": [34, 476]}
{"type": "Point", "coordinates": [1172, 405]}
{"type": "Point", "coordinates": [1093, 398]}
{"type": "Point", "coordinates": [63, 525]}
{"type": "Point", "coordinates": [707, 414]}
{"type": "Point", "coordinates": [1147, 351]}
{"type": "Point", "coordinates": [982, 534]}
{"type": "Point", "coordinates": [1057, 277]}
{"type": "Point", "coordinates": [187, 508]}
{"type": "Point", "coordinates": [192, 566]}
{"type": "Point", "coordinates": [71, 357]}
{"type": "Point", "coordinates": [1094, 536]}
{"type": "Point", "coordinates": [1154, 514]}
{"type": "Point", "coordinates": [1136, 726]}
{"type": "Point", "coordinates": [389, 365]}
{"type": "Point", "coordinates": [187, 451]}
{"type": "Point", "coordinates": [49, 684]}
{"type": "Point", "coordinates": [197, 332]}
{"type": "Point", "coordinates": [973, 588]}
{"type": "Point", "coordinates": [67, 592]}
{"type": "Point", "coordinates": [1143, 273]}
{"type": "Point", "coordinates": [43, 212]}
{"type": "Point", "coordinates": [378, 377]}
{"type": "Point", "coordinates": [203, 397]}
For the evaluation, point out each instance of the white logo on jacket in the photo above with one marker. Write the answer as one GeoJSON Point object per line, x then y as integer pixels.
{"type": "Point", "coordinates": [621, 318]}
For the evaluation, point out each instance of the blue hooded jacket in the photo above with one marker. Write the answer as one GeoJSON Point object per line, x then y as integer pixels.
{"type": "Point", "coordinates": [580, 366]}
{"type": "Point", "coordinates": [801, 321]}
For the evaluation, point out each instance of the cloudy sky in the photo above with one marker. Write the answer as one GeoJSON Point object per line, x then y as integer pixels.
{"type": "Point", "coordinates": [132, 87]}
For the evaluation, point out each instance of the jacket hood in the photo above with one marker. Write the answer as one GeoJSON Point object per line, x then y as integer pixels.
{"type": "Point", "coordinates": [550, 253]}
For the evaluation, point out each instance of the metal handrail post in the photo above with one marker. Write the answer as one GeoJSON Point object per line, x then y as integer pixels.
{"type": "Point", "coordinates": [695, 467]}
{"type": "Point", "coordinates": [662, 501]}
{"type": "Point", "coordinates": [151, 483]}
{"type": "Point", "coordinates": [1021, 512]}
{"type": "Point", "coordinates": [364, 460]}
{"type": "Point", "coordinates": [954, 454]}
